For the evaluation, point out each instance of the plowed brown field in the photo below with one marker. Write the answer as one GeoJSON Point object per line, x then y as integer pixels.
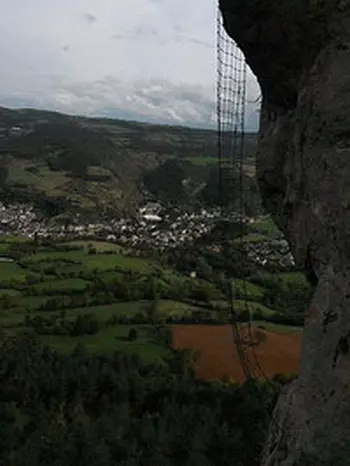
{"type": "Point", "coordinates": [277, 353]}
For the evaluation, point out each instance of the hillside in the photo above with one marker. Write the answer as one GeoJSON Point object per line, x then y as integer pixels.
{"type": "Point", "coordinates": [93, 164]}
{"type": "Point", "coordinates": [53, 287]}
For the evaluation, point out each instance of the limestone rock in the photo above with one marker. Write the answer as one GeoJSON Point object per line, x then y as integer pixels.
{"type": "Point", "coordinates": [300, 53]}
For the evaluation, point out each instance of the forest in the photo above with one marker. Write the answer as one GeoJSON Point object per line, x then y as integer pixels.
{"type": "Point", "coordinates": [88, 409]}
{"type": "Point", "coordinates": [91, 371]}
{"type": "Point", "coordinates": [95, 368]}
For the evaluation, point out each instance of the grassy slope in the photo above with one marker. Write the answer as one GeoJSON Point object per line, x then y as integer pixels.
{"type": "Point", "coordinates": [11, 271]}
{"type": "Point", "coordinates": [109, 338]}
{"type": "Point", "coordinates": [266, 227]}
{"type": "Point", "coordinates": [113, 339]}
{"type": "Point", "coordinates": [118, 151]}
{"type": "Point", "coordinates": [92, 261]}
{"type": "Point", "coordinates": [277, 328]}
{"type": "Point", "coordinates": [99, 246]}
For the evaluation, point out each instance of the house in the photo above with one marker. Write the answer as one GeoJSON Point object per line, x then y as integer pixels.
{"type": "Point", "coordinates": [151, 208]}
{"type": "Point", "coordinates": [152, 218]}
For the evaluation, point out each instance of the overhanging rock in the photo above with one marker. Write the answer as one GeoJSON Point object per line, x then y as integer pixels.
{"type": "Point", "coordinates": [300, 53]}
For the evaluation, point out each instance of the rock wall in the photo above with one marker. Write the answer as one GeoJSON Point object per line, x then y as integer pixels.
{"type": "Point", "coordinates": [300, 53]}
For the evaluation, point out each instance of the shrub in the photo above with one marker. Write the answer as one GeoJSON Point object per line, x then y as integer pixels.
{"type": "Point", "coordinates": [113, 320]}
{"type": "Point", "coordinates": [85, 325]}
{"type": "Point", "coordinates": [133, 334]}
{"type": "Point", "coordinates": [259, 337]}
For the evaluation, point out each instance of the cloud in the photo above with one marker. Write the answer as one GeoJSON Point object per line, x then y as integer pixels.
{"type": "Point", "coordinates": [144, 59]}
{"type": "Point", "coordinates": [157, 100]}
{"type": "Point", "coordinates": [90, 18]}
{"type": "Point", "coordinates": [118, 36]}
{"type": "Point", "coordinates": [145, 31]}
{"type": "Point", "coordinates": [196, 41]}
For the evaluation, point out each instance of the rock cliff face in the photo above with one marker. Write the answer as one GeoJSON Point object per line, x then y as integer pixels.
{"type": "Point", "coordinates": [300, 53]}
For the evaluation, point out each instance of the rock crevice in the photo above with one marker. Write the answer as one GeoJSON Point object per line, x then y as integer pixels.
{"type": "Point", "coordinates": [300, 52]}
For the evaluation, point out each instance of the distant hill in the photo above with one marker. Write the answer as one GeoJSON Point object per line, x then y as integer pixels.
{"type": "Point", "coordinates": [94, 164]}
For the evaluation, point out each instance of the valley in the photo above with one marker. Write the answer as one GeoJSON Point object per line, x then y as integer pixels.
{"type": "Point", "coordinates": [108, 296]}
{"type": "Point", "coordinates": [125, 284]}
{"type": "Point", "coordinates": [100, 167]}
{"type": "Point", "coordinates": [111, 237]}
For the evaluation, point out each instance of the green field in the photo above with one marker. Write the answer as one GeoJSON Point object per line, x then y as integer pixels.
{"type": "Point", "coordinates": [251, 238]}
{"type": "Point", "coordinates": [58, 276]}
{"type": "Point", "coordinates": [43, 178]}
{"type": "Point", "coordinates": [3, 248]}
{"type": "Point", "coordinates": [109, 275]}
{"type": "Point", "coordinates": [54, 288]}
{"type": "Point", "coordinates": [99, 246]}
{"type": "Point", "coordinates": [250, 290]}
{"type": "Point", "coordinates": [14, 239]}
{"type": "Point", "coordinates": [292, 277]}
{"type": "Point", "coordinates": [277, 328]}
{"type": "Point", "coordinates": [166, 308]}
{"type": "Point", "coordinates": [91, 261]}
{"type": "Point", "coordinates": [104, 312]}
{"type": "Point", "coordinates": [266, 226]}
{"type": "Point", "coordinates": [10, 271]}
{"type": "Point", "coordinates": [253, 308]}
{"type": "Point", "coordinates": [114, 339]}
{"type": "Point", "coordinates": [10, 292]}
{"type": "Point", "coordinates": [67, 284]}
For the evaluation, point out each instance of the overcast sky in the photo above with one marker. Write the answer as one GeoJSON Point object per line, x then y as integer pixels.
{"type": "Point", "coordinates": [150, 60]}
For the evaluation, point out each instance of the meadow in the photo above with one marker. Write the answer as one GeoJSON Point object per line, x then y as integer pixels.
{"type": "Point", "coordinates": [107, 298]}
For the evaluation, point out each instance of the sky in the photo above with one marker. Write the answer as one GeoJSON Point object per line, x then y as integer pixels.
{"type": "Point", "coordinates": [147, 60]}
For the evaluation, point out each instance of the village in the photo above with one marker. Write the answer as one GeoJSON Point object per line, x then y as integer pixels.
{"type": "Point", "coordinates": [154, 227]}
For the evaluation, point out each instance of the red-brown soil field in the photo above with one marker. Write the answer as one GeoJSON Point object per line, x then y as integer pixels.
{"type": "Point", "coordinates": [277, 353]}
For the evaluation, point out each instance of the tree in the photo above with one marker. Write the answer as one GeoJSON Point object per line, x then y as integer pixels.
{"type": "Point", "coordinates": [133, 334]}
{"type": "Point", "coordinates": [80, 408]}
{"type": "Point", "coordinates": [3, 174]}
{"type": "Point", "coordinates": [91, 249]}
{"type": "Point", "coordinates": [85, 325]}
{"type": "Point", "coordinates": [204, 291]}
{"type": "Point", "coordinates": [151, 309]}
{"type": "Point", "coordinates": [150, 288]}
{"type": "Point", "coordinates": [63, 315]}
{"type": "Point", "coordinates": [166, 181]}
{"type": "Point", "coordinates": [260, 337]}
